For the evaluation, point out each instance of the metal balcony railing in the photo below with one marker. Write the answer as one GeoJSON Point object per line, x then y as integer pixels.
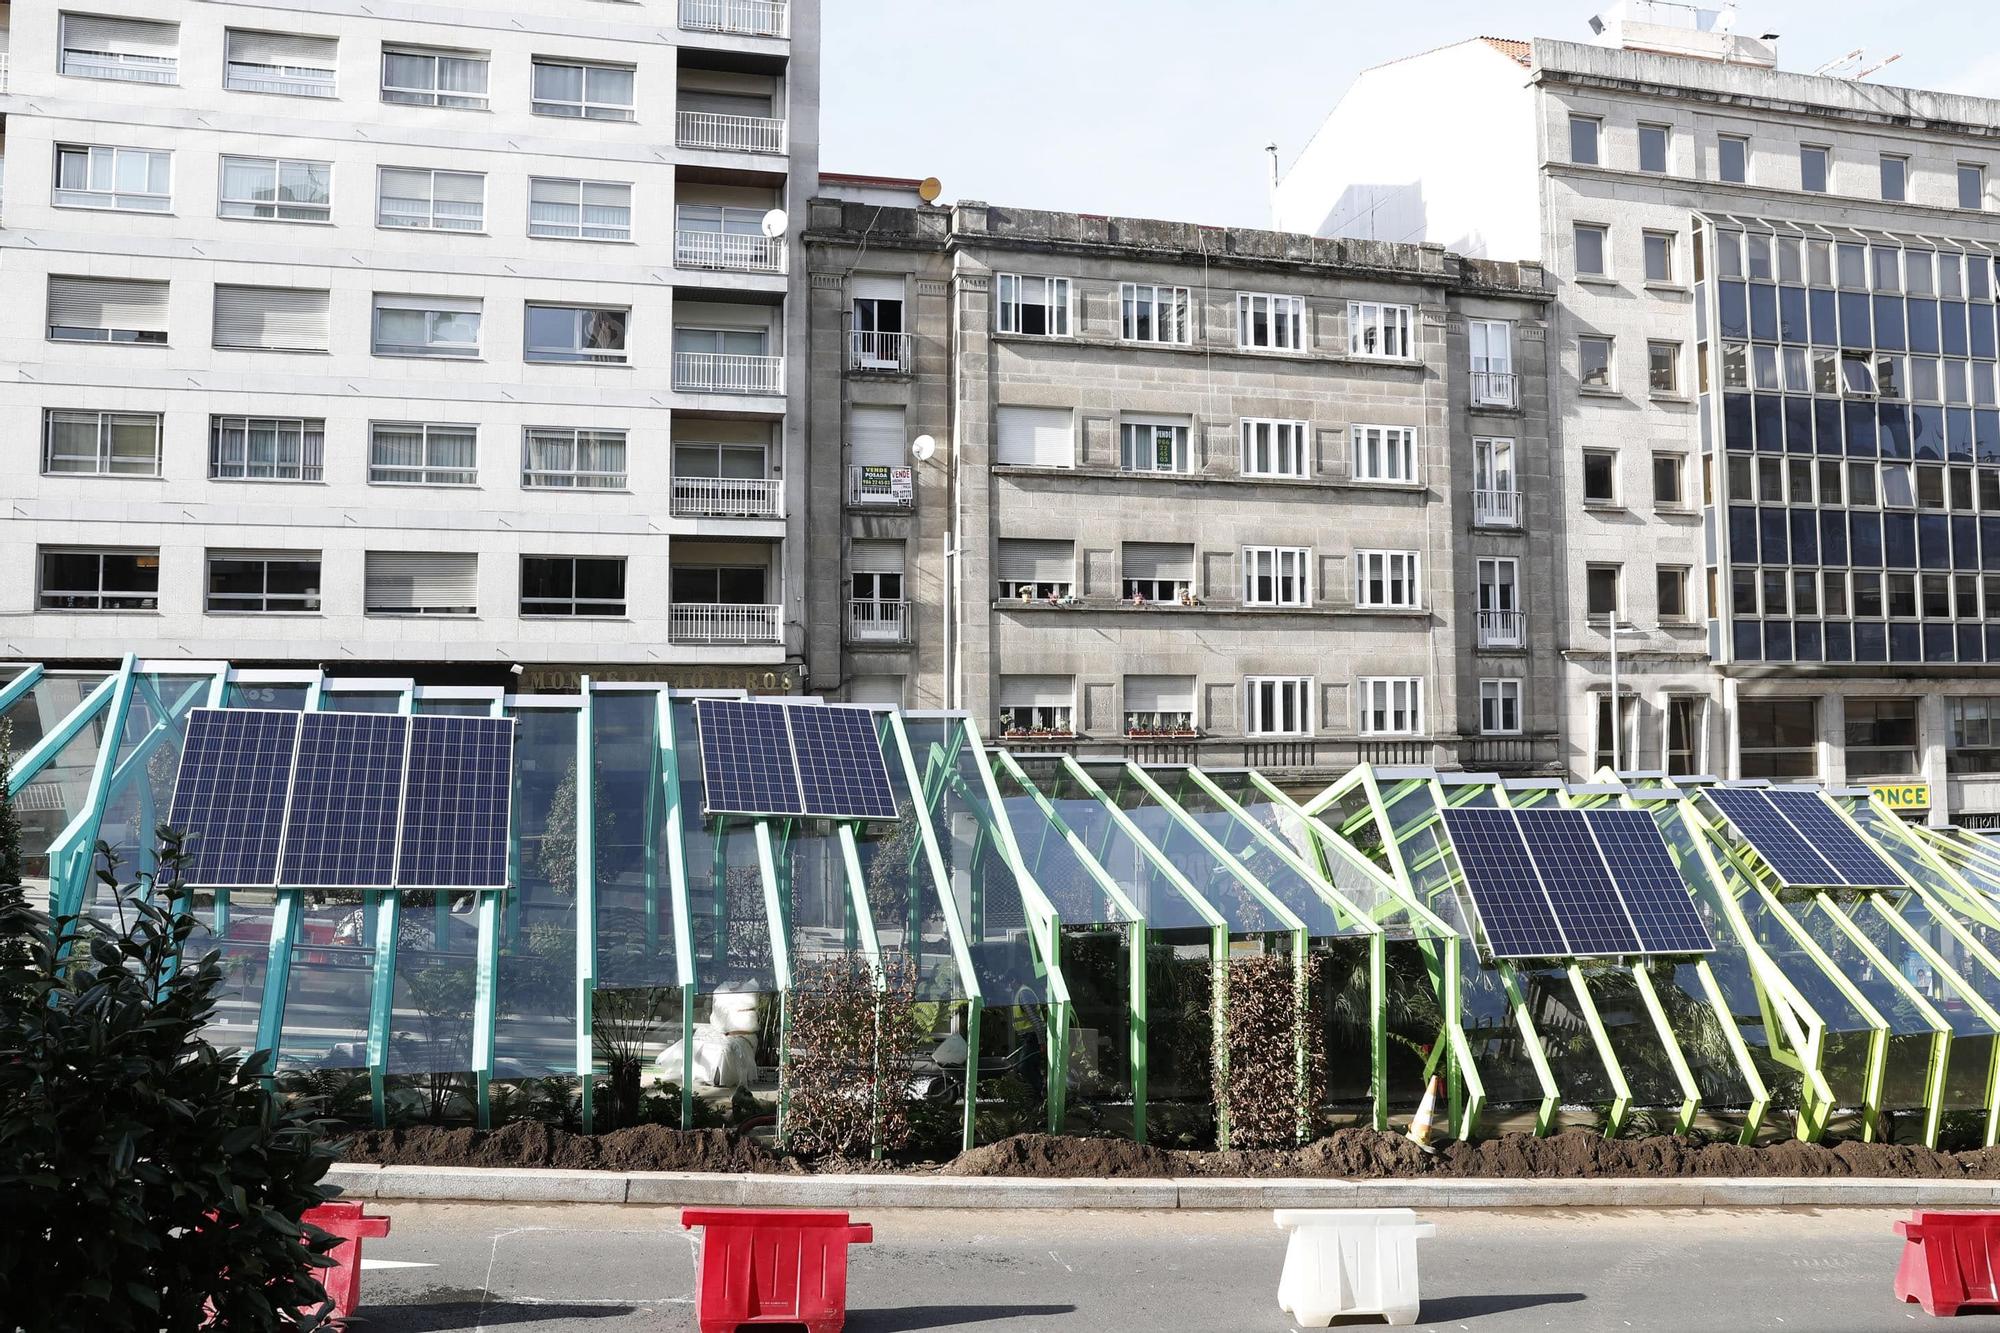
{"type": "Point", "coordinates": [881, 487]}
{"type": "Point", "coordinates": [728, 252]}
{"type": "Point", "coordinates": [728, 372]}
{"type": "Point", "coordinates": [871, 620]}
{"type": "Point", "coordinates": [729, 134]}
{"type": "Point", "coordinates": [743, 18]}
{"type": "Point", "coordinates": [133, 69]}
{"type": "Point", "coordinates": [868, 350]}
{"type": "Point", "coordinates": [1496, 509]}
{"type": "Point", "coordinates": [3, 71]}
{"type": "Point", "coordinates": [729, 497]}
{"type": "Point", "coordinates": [1494, 388]}
{"type": "Point", "coordinates": [1502, 629]}
{"type": "Point", "coordinates": [718, 622]}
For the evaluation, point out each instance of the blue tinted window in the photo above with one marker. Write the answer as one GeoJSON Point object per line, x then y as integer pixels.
{"type": "Point", "coordinates": [1770, 423]}
{"type": "Point", "coordinates": [1964, 541]}
{"type": "Point", "coordinates": [1839, 641]}
{"type": "Point", "coordinates": [1771, 532]}
{"type": "Point", "coordinates": [1889, 323]}
{"type": "Point", "coordinates": [1923, 324]}
{"type": "Point", "coordinates": [1927, 432]}
{"type": "Point", "coordinates": [1871, 641]}
{"type": "Point", "coordinates": [1832, 537]}
{"type": "Point", "coordinates": [1825, 328]}
{"type": "Point", "coordinates": [1854, 320]}
{"type": "Point", "coordinates": [1860, 419]}
{"type": "Point", "coordinates": [1749, 636]}
{"type": "Point", "coordinates": [1934, 540]}
{"type": "Point", "coordinates": [1805, 537]}
{"type": "Point", "coordinates": [1799, 425]}
{"type": "Point", "coordinates": [1953, 315]}
{"type": "Point", "coordinates": [1826, 424]}
{"type": "Point", "coordinates": [1763, 312]}
{"type": "Point", "coordinates": [1982, 332]}
{"type": "Point", "coordinates": [1743, 534]}
{"type": "Point", "coordinates": [1971, 647]}
{"type": "Point", "coordinates": [1865, 529]}
{"type": "Point", "coordinates": [1989, 543]}
{"type": "Point", "coordinates": [1993, 643]}
{"type": "Point", "coordinates": [1806, 640]}
{"type": "Point", "coordinates": [1736, 421]}
{"type": "Point", "coordinates": [1938, 643]}
{"type": "Point", "coordinates": [1899, 541]}
{"type": "Point", "coordinates": [1792, 315]}
{"type": "Point", "coordinates": [1893, 429]}
{"type": "Point", "coordinates": [1777, 641]}
{"type": "Point", "coordinates": [1735, 318]}
{"type": "Point", "coordinates": [1958, 432]}
{"type": "Point", "coordinates": [1905, 643]}
{"type": "Point", "coordinates": [1986, 434]}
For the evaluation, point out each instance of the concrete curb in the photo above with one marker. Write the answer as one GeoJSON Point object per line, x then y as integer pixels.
{"type": "Point", "coordinates": [464, 1184]}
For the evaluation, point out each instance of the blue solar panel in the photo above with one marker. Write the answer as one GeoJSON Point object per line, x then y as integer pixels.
{"type": "Point", "coordinates": [346, 791]}
{"type": "Point", "coordinates": [1649, 882]}
{"type": "Point", "coordinates": [1774, 839]}
{"type": "Point", "coordinates": [746, 759]}
{"type": "Point", "coordinates": [1836, 842]}
{"type": "Point", "coordinates": [841, 771]}
{"type": "Point", "coordinates": [1586, 902]}
{"type": "Point", "coordinates": [229, 797]}
{"type": "Point", "coordinates": [456, 802]}
{"type": "Point", "coordinates": [1506, 891]}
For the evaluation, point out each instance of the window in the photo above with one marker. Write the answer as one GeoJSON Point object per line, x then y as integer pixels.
{"type": "Point", "coordinates": [423, 200]}
{"type": "Point", "coordinates": [1277, 705]}
{"type": "Point", "coordinates": [270, 319]}
{"type": "Point", "coordinates": [1881, 736]}
{"type": "Point", "coordinates": [875, 324]}
{"type": "Point", "coordinates": [426, 326]}
{"type": "Point", "coordinates": [1275, 323]}
{"type": "Point", "coordinates": [1975, 735]}
{"type": "Point", "coordinates": [1499, 707]}
{"type": "Point", "coordinates": [737, 462]}
{"type": "Point", "coordinates": [1156, 572]}
{"type": "Point", "coordinates": [422, 453]}
{"type": "Point", "coordinates": [1687, 717]}
{"type": "Point", "coordinates": [128, 50]}
{"type": "Point", "coordinates": [1275, 448]}
{"type": "Point", "coordinates": [1392, 705]}
{"type": "Point", "coordinates": [581, 210]}
{"type": "Point", "coordinates": [1583, 131]}
{"type": "Point", "coordinates": [130, 180]}
{"type": "Point", "coordinates": [718, 585]}
{"type": "Point", "coordinates": [1491, 342]}
{"type": "Point", "coordinates": [1153, 446]}
{"type": "Point", "coordinates": [1732, 159]}
{"type": "Point", "coordinates": [1670, 481]}
{"type": "Point", "coordinates": [1971, 185]}
{"type": "Point", "coordinates": [1385, 453]}
{"type": "Point", "coordinates": [1659, 256]}
{"type": "Point", "coordinates": [1493, 481]}
{"type": "Point", "coordinates": [576, 333]}
{"type": "Point", "coordinates": [1813, 164]}
{"type": "Point", "coordinates": [1387, 580]}
{"type": "Point", "coordinates": [423, 76]}
{"type": "Point", "coordinates": [1593, 360]}
{"type": "Point", "coordinates": [1653, 142]}
{"type": "Point", "coordinates": [1602, 591]}
{"type": "Point", "coordinates": [1600, 476]}
{"type": "Point", "coordinates": [1778, 738]}
{"type": "Point", "coordinates": [280, 63]}
{"type": "Point", "coordinates": [265, 448]}
{"type": "Point", "coordinates": [712, 236]}
{"type": "Point", "coordinates": [1150, 314]}
{"type": "Point", "coordinates": [583, 90]}
{"type": "Point", "coordinates": [1159, 706]}
{"type": "Point", "coordinates": [1037, 706]}
{"type": "Point", "coordinates": [107, 310]}
{"type": "Point", "coordinates": [1030, 437]}
{"type": "Point", "coordinates": [260, 583]}
{"type": "Point", "coordinates": [103, 444]}
{"type": "Point", "coordinates": [1381, 332]}
{"type": "Point", "coordinates": [84, 580]}
{"type": "Point", "coordinates": [1895, 177]}
{"type": "Point", "coordinates": [555, 457]}
{"type": "Point", "coordinates": [420, 583]}
{"type": "Point", "coordinates": [1031, 305]}
{"type": "Point", "coordinates": [562, 585]}
{"type": "Point", "coordinates": [272, 189]}
{"type": "Point", "coordinates": [1622, 759]}
{"type": "Point", "coordinates": [1593, 247]}
{"type": "Point", "coordinates": [1032, 569]}
{"type": "Point", "coordinates": [1277, 576]}
{"type": "Point", "coordinates": [1663, 368]}
{"type": "Point", "coordinates": [1500, 623]}
{"type": "Point", "coordinates": [1671, 592]}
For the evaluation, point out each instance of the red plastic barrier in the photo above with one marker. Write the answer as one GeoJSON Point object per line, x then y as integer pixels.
{"type": "Point", "coordinates": [343, 1280]}
{"type": "Point", "coordinates": [772, 1266]}
{"type": "Point", "coordinates": [1949, 1261]}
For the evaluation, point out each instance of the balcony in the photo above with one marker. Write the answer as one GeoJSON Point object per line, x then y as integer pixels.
{"type": "Point", "coordinates": [725, 133]}
{"type": "Point", "coordinates": [728, 372]}
{"type": "Point", "coordinates": [1503, 629]}
{"type": "Point", "coordinates": [1494, 388]}
{"type": "Point", "coordinates": [3, 71]}
{"type": "Point", "coordinates": [739, 18]}
{"type": "Point", "coordinates": [881, 487]}
{"type": "Point", "coordinates": [1496, 509]}
{"type": "Point", "coordinates": [729, 497]}
{"type": "Point", "coordinates": [724, 623]}
{"type": "Point", "coordinates": [867, 350]}
{"type": "Point", "coordinates": [874, 621]}
{"type": "Point", "coordinates": [728, 252]}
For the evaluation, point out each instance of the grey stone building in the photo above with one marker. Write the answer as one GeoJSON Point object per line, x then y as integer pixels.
{"type": "Point", "coordinates": [1175, 491]}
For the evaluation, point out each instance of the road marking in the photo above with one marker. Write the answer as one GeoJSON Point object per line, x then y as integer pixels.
{"type": "Point", "coordinates": [367, 1264]}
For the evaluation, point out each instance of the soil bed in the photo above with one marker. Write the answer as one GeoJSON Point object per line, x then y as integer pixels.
{"type": "Point", "coordinates": [1352, 1154]}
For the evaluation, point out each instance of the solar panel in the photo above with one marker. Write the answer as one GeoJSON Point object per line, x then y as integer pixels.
{"type": "Point", "coordinates": [1506, 891]}
{"type": "Point", "coordinates": [456, 801]}
{"type": "Point", "coordinates": [229, 797]}
{"type": "Point", "coordinates": [1649, 882]}
{"type": "Point", "coordinates": [1773, 837]}
{"type": "Point", "coordinates": [840, 766]}
{"type": "Point", "coordinates": [346, 791]}
{"type": "Point", "coordinates": [1834, 840]}
{"type": "Point", "coordinates": [1586, 902]}
{"type": "Point", "coordinates": [746, 759]}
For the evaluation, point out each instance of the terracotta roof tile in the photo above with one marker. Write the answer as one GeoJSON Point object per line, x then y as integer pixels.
{"type": "Point", "coordinates": [1516, 51]}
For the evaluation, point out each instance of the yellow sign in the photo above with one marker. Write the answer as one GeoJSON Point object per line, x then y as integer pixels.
{"type": "Point", "coordinates": [1903, 795]}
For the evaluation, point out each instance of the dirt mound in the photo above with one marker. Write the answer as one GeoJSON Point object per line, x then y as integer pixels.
{"type": "Point", "coordinates": [527, 1143]}
{"type": "Point", "coordinates": [1061, 1156]}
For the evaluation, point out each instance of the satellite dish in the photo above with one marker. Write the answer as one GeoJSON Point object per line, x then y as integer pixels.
{"type": "Point", "coordinates": [923, 448]}
{"type": "Point", "coordinates": [930, 189]}
{"type": "Point", "coordinates": [775, 223]}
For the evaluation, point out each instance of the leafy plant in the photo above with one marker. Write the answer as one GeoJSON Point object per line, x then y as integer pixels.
{"type": "Point", "coordinates": [10, 819]}
{"type": "Point", "coordinates": [626, 1026]}
{"type": "Point", "coordinates": [151, 1181]}
{"type": "Point", "coordinates": [848, 1077]}
{"type": "Point", "coordinates": [1269, 1097]}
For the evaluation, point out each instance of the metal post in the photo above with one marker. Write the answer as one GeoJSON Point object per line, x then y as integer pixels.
{"type": "Point", "coordinates": [1615, 728]}
{"type": "Point", "coordinates": [586, 903]}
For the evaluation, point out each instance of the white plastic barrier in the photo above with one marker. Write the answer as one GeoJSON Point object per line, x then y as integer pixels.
{"type": "Point", "coordinates": [1344, 1261]}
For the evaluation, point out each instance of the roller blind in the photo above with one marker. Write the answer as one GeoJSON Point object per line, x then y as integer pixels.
{"type": "Point", "coordinates": [284, 319]}
{"type": "Point", "coordinates": [125, 37]}
{"type": "Point", "coordinates": [1030, 560]}
{"type": "Point", "coordinates": [107, 303]}
{"type": "Point", "coordinates": [1036, 436]}
{"type": "Point", "coordinates": [421, 580]}
{"type": "Point", "coordinates": [879, 437]}
{"type": "Point", "coordinates": [877, 287]}
{"type": "Point", "coordinates": [875, 557]}
{"type": "Point", "coordinates": [886, 690]}
{"type": "Point", "coordinates": [277, 48]}
{"type": "Point", "coordinates": [1158, 560]}
{"type": "Point", "coordinates": [1159, 694]}
{"type": "Point", "coordinates": [1037, 691]}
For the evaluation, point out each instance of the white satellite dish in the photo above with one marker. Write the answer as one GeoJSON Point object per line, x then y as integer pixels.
{"type": "Point", "coordinates": [775, 222]}
{"type": "Point", "coordinates": [923, 448]}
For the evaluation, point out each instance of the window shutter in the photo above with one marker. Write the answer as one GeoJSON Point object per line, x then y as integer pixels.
{"type": "Point", "coordinates": [459, 187]}
{"type": "Point", "coordinates": [1037, 436]}
{"type": "Point", "coordinates": [277, 48]}
{"type": "Point", "coordinates": [108, 303]}
{"type": "Point", "coordinates": [125, 37]}
{"type": "Point", "coordinates": [1159, 694]}
{"type": "Point", "coordinates": [879, 437]}
{"type": "Point", "coordinates": [875, 557]}
{"type": "Point", "coordinates": [877, 287]}
{"type": "Point", "coordinates": [283, 319]}
{"type": "Point", "coordinates": [884, 690]}
{"type": "Point", "coordinates": [1025, 560]}
{"type": "Point", "coordinates": [407, 580]}
{"type": "Point", "coordinates": [1158, 560]}
{"type": "Point", "coordinates": [1037, 691]}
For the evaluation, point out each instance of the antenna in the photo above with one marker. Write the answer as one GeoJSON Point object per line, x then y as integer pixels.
{"type": "Point", "coordinates": [775, 224]}
{"type": "Point", "coordinates": [1839, 62]}
{"type": "Point", "coordinates": [1880, 64]}
{"type": "Point", "coordinates": [929, 189]}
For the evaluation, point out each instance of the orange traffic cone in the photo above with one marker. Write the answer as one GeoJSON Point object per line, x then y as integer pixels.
{"type": "Point", "coordinates": [1420, 1125]}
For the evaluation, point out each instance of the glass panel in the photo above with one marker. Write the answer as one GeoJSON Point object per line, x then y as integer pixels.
{"type": "Point", "coordinates": [437, 949]}
{"type": "Point", "coordinates": [1635, 1043]}
{"type": "Point", "coordinates": [1063, 876]}
{"type": "Point", "coordinates": [730, 924]}
{"type": "Point", "coordinates": [145, 768]}
{"type": "Point", "coordinates": [1211, 878]}
{"type": "Point", "coordinates": [635, 900]}
{"type": "Point", "coordinates": [332, 977]}
{"type": "Point", "coordinates": [535, 988]}
{"type": "Point", "coordinates": [1097, 965]}
{"type": "Point", "coordinates": [245, 949]}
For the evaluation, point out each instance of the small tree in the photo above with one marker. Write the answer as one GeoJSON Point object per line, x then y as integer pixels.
{"type": "Point", "coordinates": [848, 1077]}
{"type": "Point", "coordinates": [10, 819]}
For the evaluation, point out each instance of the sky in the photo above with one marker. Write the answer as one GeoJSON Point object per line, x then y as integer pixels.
{"type": "Point", "coordinates": [1162, 108]}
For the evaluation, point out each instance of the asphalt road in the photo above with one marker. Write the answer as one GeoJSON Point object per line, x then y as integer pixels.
{"type": "Point", "coordinates": [575, 1268]}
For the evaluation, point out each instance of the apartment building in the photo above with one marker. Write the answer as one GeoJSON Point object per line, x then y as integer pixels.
{"type": "Point", "coordinates": [1777, 435]}
{"type": "Point", "coordinates": [453, 337]}
{"type": "Point", "coordinates": [1179, 492]}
